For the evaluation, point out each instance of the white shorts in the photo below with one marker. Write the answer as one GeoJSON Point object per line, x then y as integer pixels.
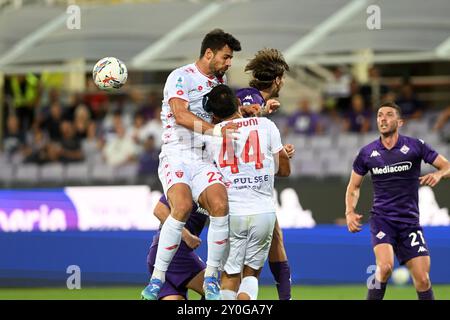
{"type": "Point", "coordinates": [250, 240]}
{"type": "Point", "coordinates": [183, 167]}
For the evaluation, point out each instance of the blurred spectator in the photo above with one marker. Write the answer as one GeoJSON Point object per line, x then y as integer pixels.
{"type": "Point", "coordinates": [304, 120]}
{"type": "Point", "coordinates": [152, 102]}
{"type": "Point", "coordinates": [36, 151]}
{"type": "Point", "coordinates": [153, 128]}
{"type": "Point", "coordinates": [110, 123]}
{"type": "Point", "coordinates": [52, 123]}
{"type": "Point", "coordinates": [358, 118]}
{"type": "Point", "coordinates": [411, 107]}
{"type": "Point", "coordinates": [24, 92]}
{"type": "Point", "coordinates": [339, 89]}
{"type": "Point", "coordinates": [136, 132]}
{"type": "Point", "coordinates": [442, 124]}
{"type": "Point", "coordinates": [14, 139]}
{"type": "Point", "coordinates": [75, 99]}
{"type": "Point", "coordinates": [120, 149]}
{"type": "Point", "coordinates": [82, 120]}
{"type": "Point", "coordinates": [97, 100]}
{"type": "Point", "coordinates": [68, 148]}
{"type": "Point", "coordinates": [374, 90]}
{"type": "Point", "coordinates": [149, 159]}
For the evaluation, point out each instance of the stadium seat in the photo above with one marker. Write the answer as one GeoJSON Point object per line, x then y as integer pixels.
{"type": "Point", "coordinates": [52, 172]}
{"type": "Point", "coordinates": [78, 172]}
{"type": "Point", "coordinates": [27, 173]}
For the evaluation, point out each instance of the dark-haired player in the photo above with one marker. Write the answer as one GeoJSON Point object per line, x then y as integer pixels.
{"type": "Point", "coordinates": [183, 173]}
{"type": "Point", "coordinates": [394, 163]}
{"type": "Point", "coordinates": [268, 68]}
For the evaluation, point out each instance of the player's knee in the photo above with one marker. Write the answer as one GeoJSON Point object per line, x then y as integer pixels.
{"type": "Point", "coordinates": [219, 208]}
{"type": "Point", "coordinates": [422, 282]}
{"type": "Point", "coordinates": [248, 289]}
{"type": "Point", "coordinates": [385, 270]}
{"type": "Point", "coordinates": [181, 209]}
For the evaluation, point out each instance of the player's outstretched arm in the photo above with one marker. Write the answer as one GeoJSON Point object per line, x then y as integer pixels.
{"type": "Point", "coordinates": [351, 200]}
{"type": "Point", "coordinates": [432, 179]}
{"type": "Point", "coordinates": [187, 119]}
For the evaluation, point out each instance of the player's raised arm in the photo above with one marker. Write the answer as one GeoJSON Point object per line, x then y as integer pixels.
{"type": "Point", "coordinates": [351, 200]}
{"type": "Point", "coordinates": [432, 179]}
{"type": "Point", "coordinates": [187, 119]}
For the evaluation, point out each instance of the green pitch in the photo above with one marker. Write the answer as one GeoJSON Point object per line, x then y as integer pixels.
{"type": "Point", "coordinates": [265, 293]}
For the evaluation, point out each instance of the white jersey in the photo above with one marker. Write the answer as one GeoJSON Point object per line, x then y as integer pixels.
{"type": "Point", "coordinates": [248, 164]}
{"type": "Point", "coordinates": [190, 84]}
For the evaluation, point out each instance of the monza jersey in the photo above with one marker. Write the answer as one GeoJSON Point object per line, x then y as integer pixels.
{"type": "Point", "coordinates": [190, 84]}
{"type": "Point", "coordinates": [395, 176]}
{"type": "Point", "coordinates": [250, 96]}
{"type": "Point", "coordinates": [248, 164]}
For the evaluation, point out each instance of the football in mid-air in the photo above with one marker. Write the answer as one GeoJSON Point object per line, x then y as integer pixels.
{"type": "Point", "coordinates": [110, 74]}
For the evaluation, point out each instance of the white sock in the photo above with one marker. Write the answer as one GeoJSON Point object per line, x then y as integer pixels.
{"type": "Point", "coordinates": [249, 286]}
{"type": "Point", "coordinates": [169, 241]}
{"type": "Point", "coordinates": [228, 295]}
{"type": "Point", "coordinates": [218, 234]}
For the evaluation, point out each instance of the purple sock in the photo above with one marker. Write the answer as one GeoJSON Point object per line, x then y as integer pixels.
{"type": "Point", "coordinates": [426, 295]}
{"type": "Point", "coordinates": [282, 275]}
{"type": "Point", "coordinates": [377, 294]}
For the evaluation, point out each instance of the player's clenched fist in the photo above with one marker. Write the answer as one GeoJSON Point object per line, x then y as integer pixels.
{"type": "Point", "coordinates": [290, 150]}
{"type": "Point", "coordinates": [353, 221]}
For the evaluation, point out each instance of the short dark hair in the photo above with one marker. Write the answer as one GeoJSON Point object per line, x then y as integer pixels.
{"type": "Point", "coordinates": [221, 101]}
{"type": "Point", "coordinates": [266, 66]}
{"type": "Point", "coordinates": [391, 104]}
{"type": "Point", "coordinates": [217, 39]}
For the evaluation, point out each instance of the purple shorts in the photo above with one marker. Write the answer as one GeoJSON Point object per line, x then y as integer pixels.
{"type": "Point", "coordinates": [407, 240]}
{"type": "Point", "coordinates": [186, 264]}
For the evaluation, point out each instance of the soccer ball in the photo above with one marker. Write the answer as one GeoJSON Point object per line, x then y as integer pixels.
{"type": "Point", "coordinates": [109, 74]}
{"type": "Point", "coordinates": [400, 276]}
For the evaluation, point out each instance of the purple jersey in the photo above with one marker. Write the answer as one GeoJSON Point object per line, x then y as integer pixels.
{"type": "Point", "coordinates": [395, 176]}
{"type": "Point", "coordinates": [195, 223]}
{"type": "Point", "coordinates": [250, 96]}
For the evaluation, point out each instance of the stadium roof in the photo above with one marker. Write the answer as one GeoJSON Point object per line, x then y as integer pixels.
{"type": "Point", "coordinates": [160, 35]}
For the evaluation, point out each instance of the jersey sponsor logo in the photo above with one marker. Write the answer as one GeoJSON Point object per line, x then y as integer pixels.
{"type": "Point", "coordinates": [189, 70]}
{"type": "Point", "coordinates": [199, 88]}
{"type": "Point", "coordinates": [203, 115]}
{"type": "Point", "coordinates": [375, 153]}
{"type": "Point", "coordinates": [393, 168]}
{"type": "Point", "coordinates": [422, 249]}
{"type": "Point", "coordinates": [179, 174]}
{"type": "Point", "coordinates": [380, 235]}
{"type": "Point", "coordinates": [404, 149]}
{"type": "Point", "coordinates": [179, 84]}
{"type": "Point", "coordinates": [180, 92]}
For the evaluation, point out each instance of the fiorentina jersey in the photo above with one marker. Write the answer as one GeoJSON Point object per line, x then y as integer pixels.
{"type": "Point", "coordinates": [395, 176]}
{"type": "Point", "coordinates": [190, 84]}
{"type": "Point", "coordinates": [250, 96]}
{"type": "Point", "coordinates": [247, 164]}
{"type": "Point", "coordinates": [195, 223]}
